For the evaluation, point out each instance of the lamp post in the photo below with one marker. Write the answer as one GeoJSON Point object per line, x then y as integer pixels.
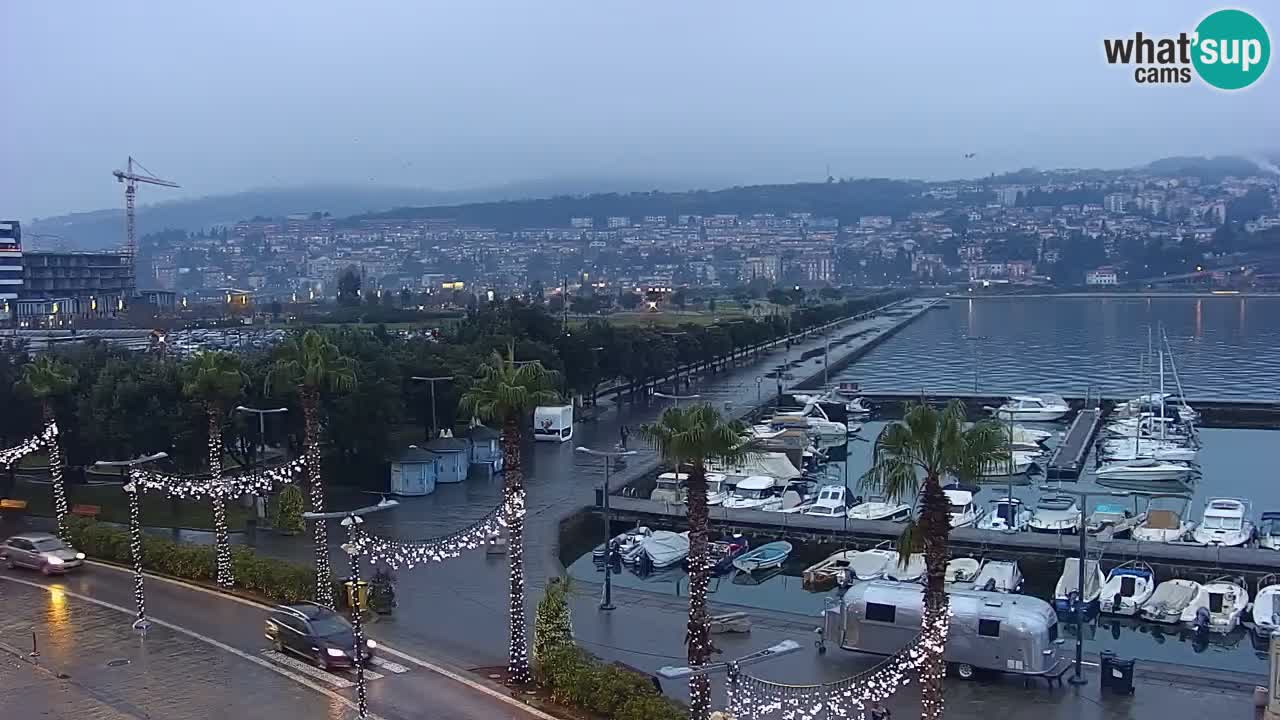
{"type": "Point", "coordinates": [1078, 607]}
{"type": "Point", "coordinates": [262, 442]}
{"type": "Point", "coordinates": [677, 398]}
{"type": "Point", "coordinates": [432, 381]}
{"type": "Point", "coordinates": [609, 457]}
{"type": "Point", "coordinates": [351, 520]}
{"type": "Point", "coordinates": [732, 668]}
{"type": "Point", "coordinates": [135, 530]}
{"type": "Point", "coordinates": [759, 380]}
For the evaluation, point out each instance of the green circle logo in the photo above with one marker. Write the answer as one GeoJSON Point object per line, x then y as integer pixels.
{"type": "Point", "coordinates": [1231, 49]}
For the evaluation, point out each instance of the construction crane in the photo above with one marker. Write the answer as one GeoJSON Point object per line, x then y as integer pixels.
{"type": "Point", "coordinates": [130, 180]}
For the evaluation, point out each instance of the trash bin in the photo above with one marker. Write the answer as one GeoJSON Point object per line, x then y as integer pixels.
{"type": "Point", "coordinates": [357, 596]}
{"type": "Point", "coordinates": [1117, 673]}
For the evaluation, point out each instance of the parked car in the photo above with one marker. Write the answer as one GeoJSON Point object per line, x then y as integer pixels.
{"type": "Point", "coordinates": [316, 633]}
{"type": "Point", "coordinates": [40, 551]}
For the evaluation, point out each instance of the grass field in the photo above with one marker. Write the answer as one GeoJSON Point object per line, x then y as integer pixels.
{"type": "Point", "coordinates": [157, 510]}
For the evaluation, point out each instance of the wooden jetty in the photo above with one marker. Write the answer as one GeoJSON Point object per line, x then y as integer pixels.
{"type": "Point", "coordinates": [1068, 458]}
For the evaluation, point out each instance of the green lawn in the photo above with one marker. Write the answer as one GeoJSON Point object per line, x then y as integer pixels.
{"type": "Point", "coordinates": [157, 510]}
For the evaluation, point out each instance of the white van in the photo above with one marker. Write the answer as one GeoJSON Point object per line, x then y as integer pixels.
{"type": "Point", "coordinates": [553, 423]}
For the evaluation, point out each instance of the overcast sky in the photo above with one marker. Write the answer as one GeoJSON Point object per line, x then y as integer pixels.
{"type": "Point", "coordinates": [234, 94]}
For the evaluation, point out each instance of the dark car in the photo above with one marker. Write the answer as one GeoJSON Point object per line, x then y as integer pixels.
{"type": "Point", "coordinates": [40, 551]}
{"type": "Point", "coordinates": [317, 633]}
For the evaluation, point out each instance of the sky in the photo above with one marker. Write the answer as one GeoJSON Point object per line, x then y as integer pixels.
{"type": "Point", "coordinates": [238, 94]}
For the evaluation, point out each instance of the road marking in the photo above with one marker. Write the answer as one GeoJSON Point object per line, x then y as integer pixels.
{"type": "Point", "coordinates": [323, 676]}
{"type": "Point", "coordinates": [206, 639]}
{"type": "Point", "coordinates": [389, 666]}
{"type": "Point", "coordinates": [433, 667]}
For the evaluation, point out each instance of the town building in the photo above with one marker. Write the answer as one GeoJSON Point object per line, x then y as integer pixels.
{"type": "Point", "coordinates": [10, 265]}
{"type": "Point", "coordinates": [1102, 277]}
{"type": "Point", "coordinates": [77, 283]}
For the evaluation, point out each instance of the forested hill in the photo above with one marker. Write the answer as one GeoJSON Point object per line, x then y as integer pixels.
{"type": "Point", "coordinates": [846, 200]}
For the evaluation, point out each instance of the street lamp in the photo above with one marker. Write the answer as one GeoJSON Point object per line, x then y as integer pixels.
{"type": "Point", "coordinates": [732, 669]}
{"type": "Point", "coordinates": [609, 457]}
{"type": "Point", "coordinates": [351, 519]}
{"type": "Point", "coordinates": [677, 398]}
{"type": "Point", "coordinates": [135, 529]}
{"type": "Point", "coordinates": [432, 381]}
{"type": "Point", "coordinates": [262, 439]}
{"type": "Point", "coordinates": [1078, 607]}
{"type": "Point", "coordinates": [759, 380]}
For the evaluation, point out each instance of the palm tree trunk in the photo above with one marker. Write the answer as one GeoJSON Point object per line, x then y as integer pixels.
{"type": "Point", "coordinates": [311, 443]}
{"type": "Point", "coordinates": [936, 531]}
{"type": "Point", "coordinates": [699, 629]}
{"type": "Point", "coordinates": [221, 538]}
{"type": "Point", "coordinates": [55, 472]}
{"type": "Point", "coordinates": [512, 485]}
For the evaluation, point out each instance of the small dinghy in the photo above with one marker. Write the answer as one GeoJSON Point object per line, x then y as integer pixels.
{"type": "Point", "coordinates": [1127, 589]}
{"type": "Point", "coordinates": [1217, 607]}
{"type": "Point", "coordinates": [1168, 601]}
{"type": "Point", "coordinates": [823, 574]}
{"type": "Point", "coordinates": [765, 557]}
{"type": "Point", "coordinates": [910, 571]}
{"type": "Point", "coordinates": [1068, 584]}
{"type": "Point", "coordinates": [962, 570]}
{"type": "Point", "coordinates": [724, 552]}
{"type": "Point", "coordinates": [998, 576]}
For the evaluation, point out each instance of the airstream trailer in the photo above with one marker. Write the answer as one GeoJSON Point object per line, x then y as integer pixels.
{"type": "Point", "coordinates": [989, 630]}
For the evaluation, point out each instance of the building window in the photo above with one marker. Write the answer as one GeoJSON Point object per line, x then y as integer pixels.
{"type": "Point", "coordinates": [879, 612]}
{"type": "Point", "coordinates": [989, 628]}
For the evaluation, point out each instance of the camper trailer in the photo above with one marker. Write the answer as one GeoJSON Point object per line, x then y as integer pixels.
{"type": "Point", "coordinates": [989, 630]}
{"type": "Point", "coordinates": [553, 423]}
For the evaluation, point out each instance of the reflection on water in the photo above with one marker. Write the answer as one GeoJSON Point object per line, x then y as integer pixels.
{"type": "Point", "coordinates": [1068, 345]}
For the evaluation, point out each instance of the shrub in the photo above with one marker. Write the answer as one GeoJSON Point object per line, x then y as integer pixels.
{"type": "Point", "coordinates": [577, 679]}
{"type": "Point", "coordinates": [287, 511]}
{"type": "Point", "coordinates": [277, 580]}
{"type": "Point", "coordinates": [553, 624]}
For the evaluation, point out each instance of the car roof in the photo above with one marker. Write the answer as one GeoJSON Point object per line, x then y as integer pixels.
{"type": "Point", "coordinates": [307, 610]}
{"type": "Point", "coordinates": [34, 536]}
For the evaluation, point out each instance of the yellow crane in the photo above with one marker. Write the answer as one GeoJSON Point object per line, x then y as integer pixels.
{"type": "Point", "coordinates": [130, 178]}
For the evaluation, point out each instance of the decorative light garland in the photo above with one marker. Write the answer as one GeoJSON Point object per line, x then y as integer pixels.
{"type": "Point", "coordinates": [311, 456]}
{"type": "Point", "coordinates": [751, 698]}
{"type": "Point", "coordinates": [410, 553]}
{"type": "Point", "coordinates": [353, 523]}
{"type": "Point", "coordinates": [46, 437]}
{"type": "Point", "coordinates": [135, 554]}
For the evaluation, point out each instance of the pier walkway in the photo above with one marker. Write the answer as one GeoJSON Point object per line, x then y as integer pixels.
{"type": "Point", "coordinates": [1068, 458]}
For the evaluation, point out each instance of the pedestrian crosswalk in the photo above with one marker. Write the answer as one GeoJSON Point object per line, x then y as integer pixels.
{"type": "Point", "coordinates": [337, 681]}
{"type": "Point", "coordinates": [389, 666]}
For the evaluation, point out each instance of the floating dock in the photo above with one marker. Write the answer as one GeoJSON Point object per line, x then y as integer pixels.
{"type": "Point", "coordinates": [1068, 458]}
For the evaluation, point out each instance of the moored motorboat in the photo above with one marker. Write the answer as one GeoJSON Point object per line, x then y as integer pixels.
{"type": "Point", "coordinates": [1218, 606]}
{"type": "Point", "coordinates": [665, 548]}
{"type": "Point", "coordinates": [1127, 589]}
{"type": "Point", "coordinates": [1144, 470]}
{"type": "Point", "coordinates": [1055, 514]}
{"type": "Point", "coordinates": [1006, 514]}
{"type": "Point", "coordinates": [871, 564]}
{"type": "Point", "coordinates": [765, 557]}
{"type": "Point", "coordinates": [723, 553]}
{"type": "Point", "coordinates": [1269, 531]}
{"type": "Point", "coordinates": [998, 576]}
{"type": "Point", "coordinates": [757, 492]}
{"type": "Point", "coordinates": [910, 571]}
{"type": "Point", "coordinates": [1069, 584]}
{"type": "Point", "coordinates": [829, 503]}
{"type": "Point", "coordinates": [962, 570]}
{"type": "Point", "coordinates": [1225, 523]}
{"type": "Point", "coordinates": [1111, 520]}
{"type": "Point", "coordinates": [824, 573]}
{"type": "Point", "coordinates": [1018, 462]}
{"type": "Point", "coordinates": [1169, 600]}
{"type": "Point", "coordinates": [1033, 408]}
{"type": "Point", "coordinates": [1266, 606]}
{"type": "Point", "coordinates": [1164, 524]}
{"type": "Point", "coordinates": [622, 544]}
{"type": "Point", "coordinates": [876, 507]}
{"type": "Point", "coordinates": [964, 511]}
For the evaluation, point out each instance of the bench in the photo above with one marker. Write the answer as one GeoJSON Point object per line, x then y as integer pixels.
{"type": "Point", "coordinates": [1053, 677]}
{"type": "Point", "coordinates": [86, 511]}
{"type": "Point", "coordinates": [12, 505]}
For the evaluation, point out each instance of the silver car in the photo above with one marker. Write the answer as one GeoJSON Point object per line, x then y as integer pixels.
{"type": "Point", "coordinates": [40, 551]}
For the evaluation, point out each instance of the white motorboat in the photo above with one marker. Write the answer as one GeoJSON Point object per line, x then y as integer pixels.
{"type": "Point", "coordinates": [1164, 525]}
{"type": "Point", "coordinates": [910, 571]}
{"type": "Point", "coordinates": [964, 511]}
{"type": "Point", "coordinates": [1125, 450]}
{"type": "Point", "coordinates": [773, 464]}
{"type": "Point", "coordinates": [623, 543]}
{"type": "Point", "coordinates": [670, 488]}
{"type": "Point", "coordinates": [1069, 584]}
{"type": "Point", "coordinates": [854, 428]}
{"type": "Point", "coordinates": [1218, 606]}
{"type": "Point", "coordinates": [817, 420]}
{"type": "Point", "coordinates": [1019, 462]}
{"type": "Point", "coordinates": [1115, 521]}
{"type": "Point", "coordinates": [1151, 403]}
{"type": "Point", "coordinates": [1149, 426]}
{"type": "Point", "coordinates": [876, 507]}
{"type": "Point", "coordinates": [1127, 589]}
{"type": "Point", "coordinates": [1266, 606]}
{"type": "Point", "coordinates": [962, 570]}
{"type": "Point", "coordinates": [1006, 514]}
{"type": "Point", "coordinates": [858, 407]}
{"type": "Point", "coordinates": [1169, 600]}
{"type": "Point", "coordinates": [1033, 408]}
{"type": "Point", "coordinates": [829, 503]}
{"type": "Point", "coordinates": [871, 564]}
{"type": "Point", "coordinates": [998, 576]}
{"type": "Point", "coordinates": [1225, 523]}
{"type": "Point", "coordinates": [1144, 470]}
{"type": "Point", "coordinates": [1055, 514]}
{"type": "Point", "coordinates": [716, 492]}
{"type": "Point", "coordinates": [757, 492]}
{"type": "Point", "coordinates": [826, 572]}
{"type": "Point", "coordinates": [1022, 435]}
{"type": "Point", "coordinates": [1269, 531]}
{"type": "Point", "coordinates": [665, 548]}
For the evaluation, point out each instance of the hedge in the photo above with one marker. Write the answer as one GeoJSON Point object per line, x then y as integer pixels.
{"type": "Point", "coordinates": [578, 680]}
{"type": "Point", "coordinates": [276, 580]}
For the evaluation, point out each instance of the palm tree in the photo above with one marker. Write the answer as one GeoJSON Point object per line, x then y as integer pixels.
{"type": "Point", "coordinates": [46, 378]}
{"type": "Point", "coordinates": [689, 437]}
{"type": "Point", "coordinates": [935, 444]}
{"type": "Point", "coordinates": [311, 363]}
{"type": "Point", "coordinates": [215, 379]}
{"type": "Point", "coordinates": [505, 393]}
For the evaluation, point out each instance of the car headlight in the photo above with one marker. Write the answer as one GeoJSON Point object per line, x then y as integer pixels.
{"type": "Point", "coordinates": [335, 652]}
{"type": "Point", "coordinates": [370, 644]}
{"type": "Point", "coordinates": [79, 556]}
{"type": "Point", "coordinates": [54, 560]}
